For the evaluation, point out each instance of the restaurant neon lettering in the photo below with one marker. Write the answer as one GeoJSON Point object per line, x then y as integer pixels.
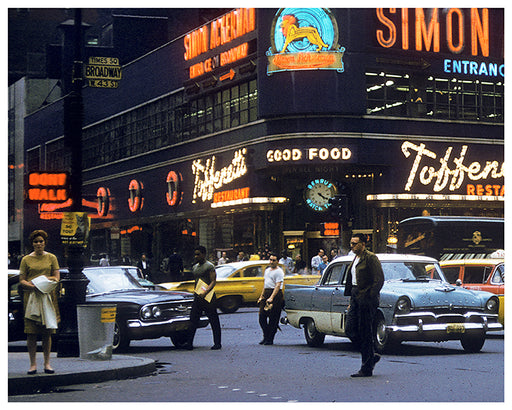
{"type": "Point", "coordinates": [444, 176]}
{"type": "Point", "coordinates": [207, 178]}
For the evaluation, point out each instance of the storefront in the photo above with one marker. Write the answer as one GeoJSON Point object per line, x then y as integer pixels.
{"type": "Point", "coordinates": [236, 135]}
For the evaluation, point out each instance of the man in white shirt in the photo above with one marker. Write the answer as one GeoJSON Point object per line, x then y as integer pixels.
{"type": "Point", "coordinates": [271, 301]}
{"type": "Point", "coordinates": [315, 262]}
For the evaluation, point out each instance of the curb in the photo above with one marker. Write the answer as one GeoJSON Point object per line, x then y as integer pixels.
{"type": "Point", "coordinates": [24, 384]}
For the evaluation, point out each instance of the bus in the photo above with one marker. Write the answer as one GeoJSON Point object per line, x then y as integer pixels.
{"type": "Point", "coordinates": [451, 237]}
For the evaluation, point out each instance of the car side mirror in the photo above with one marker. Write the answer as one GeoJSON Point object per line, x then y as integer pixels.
{"type": "Point", "coordinates": [458, 282]}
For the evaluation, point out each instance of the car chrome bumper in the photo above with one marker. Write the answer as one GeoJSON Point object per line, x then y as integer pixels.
{"type": "Point", "coordinates": [139, 329]}
{"type": "Point", "coordinates": [469, 322]}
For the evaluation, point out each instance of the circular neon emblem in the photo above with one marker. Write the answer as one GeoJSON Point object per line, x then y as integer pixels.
{"type": "Point", "coordinates": [136, 199]}
{"type": "Point", "coordinates": [174, 192]}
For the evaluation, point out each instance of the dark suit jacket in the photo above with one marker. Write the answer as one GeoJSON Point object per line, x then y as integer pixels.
{"type": "Point", "coordinates": [369, 276]}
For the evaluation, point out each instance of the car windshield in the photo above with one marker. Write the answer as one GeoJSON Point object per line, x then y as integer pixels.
{"type": "Point", "coordinates": [135, 272]}
{"type": "Point", "coordinates": [412, 271]}
{"type": "Point", "coordinates": [109, 280]}
{"type": "Point", "coordinates": [224, 271]}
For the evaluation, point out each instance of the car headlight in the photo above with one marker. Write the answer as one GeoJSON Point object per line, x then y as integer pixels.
{"type": "Point", "coordinates": [403, 305]}
{"type": "Point", "coordinates": [151, 312]}
{"type": "Point", "coordinates": [156, 312]}
{"type": "Point", "coordinates": [492, 305]}
{"type": "Point", "coordinates": [146, 312]}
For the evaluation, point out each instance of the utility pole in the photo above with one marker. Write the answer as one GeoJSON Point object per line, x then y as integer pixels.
{"type": "Point", "coordinates": [74, 283]}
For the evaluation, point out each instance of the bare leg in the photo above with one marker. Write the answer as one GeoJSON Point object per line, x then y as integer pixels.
{"type": "Point", "coordinates": [47, 348]}
{"type": "Point", "coordinates": [32, 349]}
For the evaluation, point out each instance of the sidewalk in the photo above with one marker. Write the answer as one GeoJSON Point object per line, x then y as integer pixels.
{"type": "Point", "coordinates": [72, 370]}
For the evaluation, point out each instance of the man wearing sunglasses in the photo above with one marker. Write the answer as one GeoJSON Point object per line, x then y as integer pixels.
{"type": "Point", "coordinates": [364, 282]}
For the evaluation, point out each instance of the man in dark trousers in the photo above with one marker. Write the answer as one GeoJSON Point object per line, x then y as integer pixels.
{"type": "Point", "coordinates": [204, 271]}
{"type": "Point", "coordinates": [364, 282]}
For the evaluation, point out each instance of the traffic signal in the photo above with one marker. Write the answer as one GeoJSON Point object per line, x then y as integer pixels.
{"type": "Point", "coordinates": [338, 206]}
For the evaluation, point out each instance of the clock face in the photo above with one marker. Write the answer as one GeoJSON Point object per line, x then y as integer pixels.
{"type": "Point", "coordinates": [317, 194]}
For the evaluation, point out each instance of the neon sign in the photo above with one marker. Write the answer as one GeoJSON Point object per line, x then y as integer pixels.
{"type": "Point", "coordinates": [310, 154]}
{"type": "Point", "coordinates": [304, 39]}
{"type": "Point", "coordinates": [443, 176]}
{"type": "Point", "coordinates": [136, 198]}
{"type": "Point", "coordinates": [207, 178]}
{"type": "Point", "coordinates": [103, 195]}
{"type": "Point", "coordinates": [426, 29]}
{"type": "Point", "coordinates": [473, 68]}
{"type": "Point", "coordinates": [174, 193]}
{"type": "Point", "coordinates": [219, 32]}
{"type": "Point", "coordinates": [231, 195]}
{"type": "Point", "coordinates": [44, 187]}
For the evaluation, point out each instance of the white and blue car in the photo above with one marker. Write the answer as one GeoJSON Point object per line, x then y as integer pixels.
{"type": "Point", "coordinates": [416, 304]}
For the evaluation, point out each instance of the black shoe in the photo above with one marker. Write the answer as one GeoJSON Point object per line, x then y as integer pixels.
{"type": "Point", "coordinates": [360, 373]}
{"type": "Point", "coordinates": [31, 372]}
{"type": "Point", "coordinates": [268, 342]}
{"type": "Point", "coordinates": [188, 346]}
{"type": "Point", "coordinates": [263, 341]}
{"type": "Point", "coordinates": [49, 371]}
{"type": "Point", "coordinates": [216, 347]}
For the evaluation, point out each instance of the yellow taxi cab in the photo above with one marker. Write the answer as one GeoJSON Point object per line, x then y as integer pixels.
{"type": "Point", "coordinates": [479, 274]}
{"type": "Point", "coordinates": [241, 283]}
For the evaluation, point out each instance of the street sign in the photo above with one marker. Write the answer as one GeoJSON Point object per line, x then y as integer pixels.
{"type": "Point", "coordinates": [103, 72]}
{"type": "Point", "coordinates": [75, 228]}
{"type": "Point", "coordinates": [103, 83]}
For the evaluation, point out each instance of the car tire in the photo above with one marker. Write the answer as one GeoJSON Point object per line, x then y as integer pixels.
{"type": "Point", "coordinates": [120, 342]}
{"type": "Point", "coordinates": [229, 304]}
{"type": "Point", "coordinates": [180, 338]}
{"type": "Point", "coordinates": [473, 343]}
{"type": "Point", "coordinates": [314, 338]}
{"type": "Point", "coordinates": [384, 342]}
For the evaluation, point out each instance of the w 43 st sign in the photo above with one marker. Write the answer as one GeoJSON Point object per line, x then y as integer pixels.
{"type": "Point", "coordinates": [103, 72]}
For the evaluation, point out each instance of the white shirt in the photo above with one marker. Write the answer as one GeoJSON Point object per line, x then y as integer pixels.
{"type": "Point", "coordinates": [272, 277]}
{"type": "Point", "coordinates": [353, 271]}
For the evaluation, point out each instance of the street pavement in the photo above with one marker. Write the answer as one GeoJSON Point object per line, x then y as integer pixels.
{"type": "Point", "coordinates": [72, 370]}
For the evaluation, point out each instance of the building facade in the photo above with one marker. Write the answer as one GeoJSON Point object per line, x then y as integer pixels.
{"type": "Point", "coordinates": [236, 134]}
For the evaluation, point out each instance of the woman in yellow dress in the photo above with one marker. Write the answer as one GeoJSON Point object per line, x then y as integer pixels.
{"type": "Point", "coordinates": [33, 265]}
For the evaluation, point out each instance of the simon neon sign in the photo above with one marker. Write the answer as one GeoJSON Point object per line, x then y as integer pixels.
{"type": "Point", "coordinates": [219, 32]}
{"type": "Point", "coordinates": [425, 30]}
{"type": "Point", "coordinates": [304, 39]}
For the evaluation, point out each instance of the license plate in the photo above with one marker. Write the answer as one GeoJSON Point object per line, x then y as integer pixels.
{"type": "Point", "coordinates": [455, 328]}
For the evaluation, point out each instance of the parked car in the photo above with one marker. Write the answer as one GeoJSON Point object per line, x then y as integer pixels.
{"type": "Point", "coordinates": [141, 313]}
{"type": "Point", "coordinates": [241, 283]}
{"type": "Point", "coordinates": [478, 274]}
{"type": "Point", "coordinates": [416, 303]}
{"type": "Point", "coordinates": [15, 307]}
{"type": "Point", "coordinates": [137, 275]}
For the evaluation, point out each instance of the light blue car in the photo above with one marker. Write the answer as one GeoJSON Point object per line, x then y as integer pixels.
{"type": "Point", "coordinates": [416, 303]}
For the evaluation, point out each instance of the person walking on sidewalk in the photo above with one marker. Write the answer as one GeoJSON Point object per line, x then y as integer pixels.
{"type": "Point", "coordinates": [204, 271]}
{"type": "Point", "coordinates": [271, 301]}
{"type": "Point", "coordinates": [41, 309]}
{"type": "Point", "coordinates": [364, 282]}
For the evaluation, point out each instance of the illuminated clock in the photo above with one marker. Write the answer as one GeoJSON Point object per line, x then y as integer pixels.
{"type": "Point", "coordinates": [317, 194]}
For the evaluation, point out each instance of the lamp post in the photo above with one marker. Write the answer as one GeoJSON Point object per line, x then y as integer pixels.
{"type": "Point", "coordinates": [74, 283]}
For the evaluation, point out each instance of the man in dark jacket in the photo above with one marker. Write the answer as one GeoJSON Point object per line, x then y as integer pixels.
{"type": "Point", "coordinates": [364, 282]}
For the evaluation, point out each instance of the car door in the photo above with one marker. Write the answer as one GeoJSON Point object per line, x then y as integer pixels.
{"type": "Point", "coordinates": [251, 283]}
{"type": "Point", "coordinates": [339, 302]}
{"type": "Point", "coordinates": [321, 300]}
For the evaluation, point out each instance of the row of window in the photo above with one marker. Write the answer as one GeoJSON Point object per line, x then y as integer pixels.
{"type": "Point", "coordinates": [172, 119]}
{"type": "Point", "coordinates": [441, 98]}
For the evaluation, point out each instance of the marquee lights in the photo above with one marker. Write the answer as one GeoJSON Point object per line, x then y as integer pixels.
{"type": "Point", "coordinates": [444, 176]}
{"type": "Point", "coordinates": [207, 178]}
{"type": "Point", "coordinates": [310, 154]}
{"type": "Point", "coordinates": [427, 30]}
{"type": "Point", "coordinates": [433, 197]}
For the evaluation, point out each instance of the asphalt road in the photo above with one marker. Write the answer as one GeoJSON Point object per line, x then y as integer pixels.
{"type": "Point", "coordinates": [289, 371]}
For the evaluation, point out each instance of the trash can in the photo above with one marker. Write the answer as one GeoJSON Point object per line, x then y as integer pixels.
{"type": "Point", "coordinates": [96, 330]}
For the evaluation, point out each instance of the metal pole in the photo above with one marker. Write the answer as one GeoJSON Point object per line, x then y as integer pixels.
{"type": "Point", "coordinates": [74, 283]}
